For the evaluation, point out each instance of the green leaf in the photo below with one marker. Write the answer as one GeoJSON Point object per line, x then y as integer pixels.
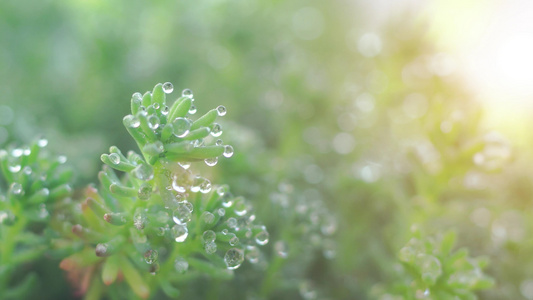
{"type": "Point", "coordinates": [205, 120]}
{"type": "Point", "coordinates": [110, 269]}
{"type": "Point", "coordinates": [133, 278]}
{"type": "Point", "coordinates": [196, 134]}
{"type": "Point", "coordinates": [180, 108]}
{"type": "Point", "coordinates": [147, 99]}
{"type": "Point", "coordinates": [158, 95]}
{"type": "Point", "coordinates": [448, 241]}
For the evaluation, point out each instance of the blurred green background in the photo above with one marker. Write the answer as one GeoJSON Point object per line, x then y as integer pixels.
{"type": "Point", "coordinates": [361, 107]}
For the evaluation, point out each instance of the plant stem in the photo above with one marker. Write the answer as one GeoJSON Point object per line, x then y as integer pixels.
{"type": "Point", "coordinates": [9, 234]}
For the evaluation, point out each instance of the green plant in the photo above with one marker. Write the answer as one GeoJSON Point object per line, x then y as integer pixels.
{"type": "Point", "coordinates": [157, 217]}
{"type": "Point", "coordinates": [150, 215]}
{"type": "Point", "coordinates": [33, 187]}
{"type": "Point", "coordinates": [429, 269]}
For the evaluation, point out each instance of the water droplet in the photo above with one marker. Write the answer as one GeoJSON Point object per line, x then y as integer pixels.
{"type": "Point", "coordinates": [181, 265]}
{"type": "Point", "coordinates": [209, 236]}
{"type": "Point", "coordinates": [42, 143]}
{"type": "Point", "coordinates": [221, 110]}
{"type": "Point", "coordinates": [185, 165]}
{"type": "Point", "coordinates": [201, 184]}
{"type": "Point", "coordinates": [144, 172]}
{"type": "Point", "coordinates": [216, 130]}
{"type": "Point", "coordinates": [6, 217]}
{"type": "Point", "coordinates": [234, 258]}
{"type": "Point", "coordinates": [181, 127]}
{"type": "Point", "coordinates": [114, 158]}
{"type": "Point", "coordinates": [137, 97]}
{"type": "Point", "coordinates": [231, 222]}
{"type": "Point", "coordinates": [139, 218]}
{"type": "Point", "coordinates": [252, 254]}
{"type": "Point", "coordinates": [221, 212]}
{"type": "Point", "coordinates": [131, 121]}
{"type": "Point", "coordinates": [168, 87]}
{"type": "Point", "coordinates": [182, 214]}
{"type": "Point", "coordinates": [153, 122]}
{"type": "Point", "coordinates": [14, 169]}
{"type": "Point", "coordinates": [150, 256]}
{"type": "Point", "coordinates": [16, 188]}
{"type": "Point", "coordinates": [281, 249]}
{"type": "Point", "coordinates": [165, 110]}
{"type": "Point", "coordinates": [187, 93]}
{"type": "Point", "coordinates": [192, 110]}
{"type": "Point", "coordinates": [177, 186]}
{"type": "Point", "coordinates": [227, 201]}
{"type": "Point", "coordinates": [261, 238]}
{"type": "Point", "coordinates": [224, 231]}
{"type": "Point", "coordinates": [218, 142]}
{"type": "Point", "coordinates": [234, 240]}
{"type": "Point", "coordinates": [240, 207]}
{"type": "Point", "coordinates": [228, 151]}
{"type": "Point", "coordinates": [145, 191]}
{"type": "Point", "coordinates": [222, 190]}
{"type": "Point", "coordinates": [180, 233]}
{"type": "Point", "coordinates": [208, 217]}
{"type": "Point", "coordinates": [210, 247]}
{"type": "Point", "coordinates": [211, 161]}
{"type": "Point", "coordinates": [156, 105]}
{"type": "Point", "coordinates": [198, 143]}
{"type": "Point", "coordinates": [17, 152]}
{"type": "Point", "coordinates": [187, 204]}
{"type": "Point", "coordinates": [61, 159]}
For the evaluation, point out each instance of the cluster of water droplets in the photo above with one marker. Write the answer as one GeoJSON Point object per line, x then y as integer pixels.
{"type": "Point", "coordinates": [431, 267]}
{"type": "Point", "coordinates": [315, 223]}
{"type": "Point", "coordinates": [161, 129]}
{"type": "Point", "coordinates": [160, 201]}
{"type": "Point", "coordinates": [33, 180]}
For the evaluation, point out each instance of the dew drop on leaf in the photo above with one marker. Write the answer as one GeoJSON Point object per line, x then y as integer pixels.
{"type": "Point", "coordinates": [181, 265]}
{"type": "Point", "coordinates": [216, 130]}
{"type": "Point", "coordinates": [145, 191]}
{"type": "Point", "coordinates": [261, 238]}
{"type": "Point", "coordinates": [209, 236]}
{"type": "Point", "coordinates": [210, 247]}
{"type": "Point", "coordinates": [211, 161]}
{"type": "Point", "coordinates": [150, 256]}
{"type": "Point", "coordinates": [181, 127]}
{"type": "Point", "coordinates": [180, 233]}
{"type": "Point", "coordinates": [208, 217]}
{"type": "Point", "coordinates": [114, 158]}
{"type": "Point", "coordinates": [187, 93]}
{"type": "Point", "coordinates": [144, 172]}
{"type": "Point", "coordinates": [221, 110]}
{"type": "Point", "coordinates": [168, 87]}
{"type": "Point", "coordinates": [233, 258]}
{"type": "Point", "coordinates": [228, 151]}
